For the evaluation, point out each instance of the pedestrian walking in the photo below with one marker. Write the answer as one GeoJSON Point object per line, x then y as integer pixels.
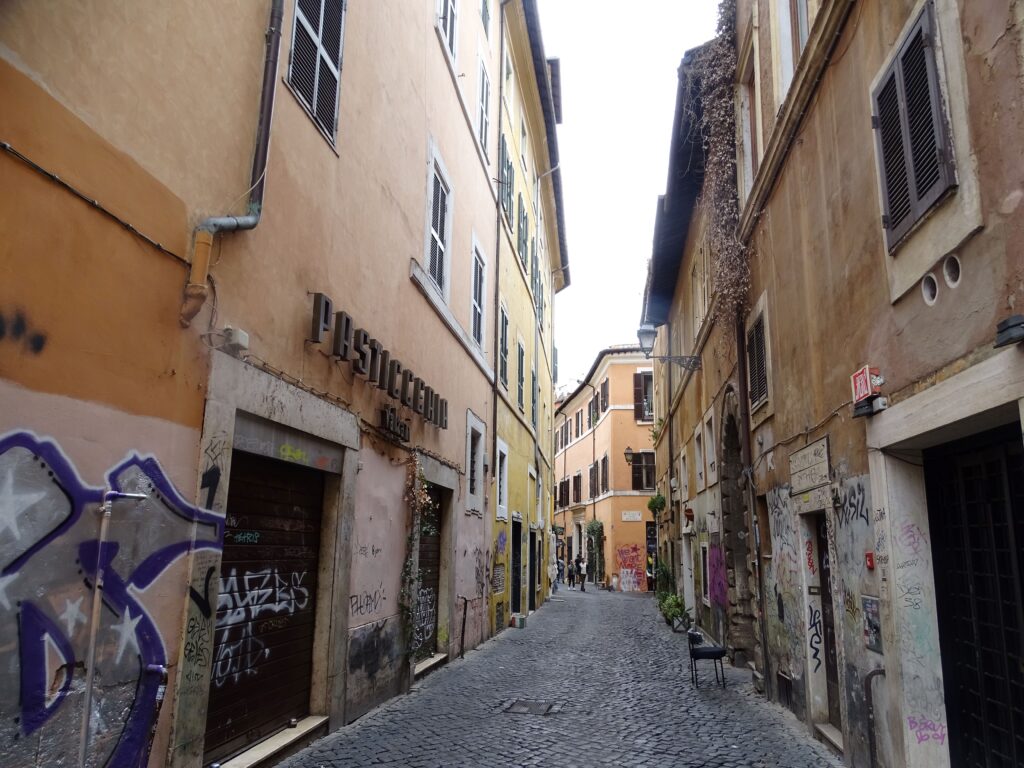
{"type": "Point", "coordinates": [581, 572]}
{"type": "Point", "coordinates": [572, 576]}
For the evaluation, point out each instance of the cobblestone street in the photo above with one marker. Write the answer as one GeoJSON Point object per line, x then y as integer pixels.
{"type": "Point", "coordinates": [620, 685]}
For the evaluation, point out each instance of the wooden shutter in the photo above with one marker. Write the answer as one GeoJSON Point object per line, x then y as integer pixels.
{"type": "Point", "coordinates": [757, 365]}
{"type": "Point", "coordinates": [604, 395]}
{"type": "Point", "coordinates": [638, 472]}
{"type": "Point", "coordinates": [638, 396]}
{"type": "Point", "coordinates": [911, 135]}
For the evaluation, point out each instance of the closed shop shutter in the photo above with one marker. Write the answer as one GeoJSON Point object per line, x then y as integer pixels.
{"type": "Point", "coordinates": [263, 646]}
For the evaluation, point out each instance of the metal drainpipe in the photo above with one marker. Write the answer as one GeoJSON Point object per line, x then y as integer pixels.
{"type": "Point", "coordinates": [747, 461]}
{"type": "Point", "coordinates": [195, 289]}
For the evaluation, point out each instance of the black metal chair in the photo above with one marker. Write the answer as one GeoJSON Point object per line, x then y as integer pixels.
{"type": "Point", "coordinates": [701, 650]}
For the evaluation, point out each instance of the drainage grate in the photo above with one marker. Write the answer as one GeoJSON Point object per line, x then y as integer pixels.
{"type": "Point", "coordinates": [525, 707]}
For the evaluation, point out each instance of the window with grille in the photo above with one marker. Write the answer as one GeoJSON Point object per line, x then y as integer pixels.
{"type": "Point", "coordinates": [446, 23]}
{"type": "Point", "coordinates": [521, 378]}
{"type": "Point", "coordinates": [314, 69]}
{"type": "Point", "coordinates": [483, 122]}
{"type": "Point", "coordinates": [438, 229]}
{"type": "Point", "coordinates": [757, 363]}
{"type": "Point", "coordinates": [503, 349]}
{"type": "Point", "coordinates": [912, 141]}
{"type": "Point", "coordinates": [643, 470]}
{"type": "Point", "coordinates": [474, 456]}
{"type": "Point", "coordinates": [478, 297]}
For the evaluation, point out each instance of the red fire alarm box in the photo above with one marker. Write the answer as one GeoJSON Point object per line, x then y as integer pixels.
{"type": "Point", "coordinates": [869, 560]}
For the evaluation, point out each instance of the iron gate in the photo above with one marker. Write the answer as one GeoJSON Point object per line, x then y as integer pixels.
{"type": "Point", "coordinates": [976, 517]}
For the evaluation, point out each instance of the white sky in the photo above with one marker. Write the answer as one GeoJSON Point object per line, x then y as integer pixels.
{"type": "Point", "coordinates": [619, 62]}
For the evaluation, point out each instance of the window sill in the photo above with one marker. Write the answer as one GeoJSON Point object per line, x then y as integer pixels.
{"type": "Point", "coordinates": [429, 290]}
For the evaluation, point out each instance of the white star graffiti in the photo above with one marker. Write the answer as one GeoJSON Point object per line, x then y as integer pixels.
{"type": "Point", "coordinates": [13, 504]}
{"type": "Point", "coordinates": [5, 581]}
{"type": "Point", "coordinates": [126, 633]}
{"type": "Point", "coordinates": [73, 615]}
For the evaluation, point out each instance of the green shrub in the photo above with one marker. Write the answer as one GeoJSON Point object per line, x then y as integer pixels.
{"type": "Point", "coordinates": [672, 606]}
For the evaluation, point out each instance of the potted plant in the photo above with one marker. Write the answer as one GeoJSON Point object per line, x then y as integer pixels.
{"type": "Point", "coordinates": [656, 504]}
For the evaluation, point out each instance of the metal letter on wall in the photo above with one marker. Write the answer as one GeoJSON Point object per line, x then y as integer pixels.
{"type": "Point", "coordinates": [322, 309]}
{"type": "Point", "coordinates": [342, 335]}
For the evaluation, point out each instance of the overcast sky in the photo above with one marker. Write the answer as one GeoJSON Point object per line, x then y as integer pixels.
{"type": "Point", "coordinates": [619, 62]}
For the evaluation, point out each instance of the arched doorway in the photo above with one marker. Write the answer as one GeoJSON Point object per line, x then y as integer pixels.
{"type": "Point", "coordinates": [739, 635]}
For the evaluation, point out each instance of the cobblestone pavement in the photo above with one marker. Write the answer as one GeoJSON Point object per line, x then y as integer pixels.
{"type": "Point", "coordinates": [619, 680]}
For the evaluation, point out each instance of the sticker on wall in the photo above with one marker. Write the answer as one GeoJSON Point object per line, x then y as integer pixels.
{"type": "Point", "coordinates": [872, 623]}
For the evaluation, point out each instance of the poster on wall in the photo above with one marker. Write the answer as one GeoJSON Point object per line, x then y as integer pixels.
{"type": "Point", "coordinates": [872, 624]}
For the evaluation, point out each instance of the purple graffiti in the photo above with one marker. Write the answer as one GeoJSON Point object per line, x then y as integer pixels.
{"type": "Point", "coordinates": [502, 542]}
{"type": "Point", "coordinates": [51, 559]}
{"type": "Point", "coordinates": [717, 579]}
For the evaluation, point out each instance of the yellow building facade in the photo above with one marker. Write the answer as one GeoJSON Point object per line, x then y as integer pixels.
{"type": "Point", "coordinates": [607, 418]}
{"type": "Point", "coordinates": [532, 267]}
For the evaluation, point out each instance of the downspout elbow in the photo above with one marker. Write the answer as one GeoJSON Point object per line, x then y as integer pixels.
{"type": "Point", "coordinates": [195, 292]}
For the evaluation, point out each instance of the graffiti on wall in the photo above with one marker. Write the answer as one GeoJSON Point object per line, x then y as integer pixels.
{"type": "Point", "coordinates": [424, 617]}
{"type": "Point", "coordinates": [814, 634]}
{"type": "Point", "coordinates": [15, 328]}
{"type": "Point", "coordinates": [631, 567]}
{"type": "Point", "coordinates": [717, 579]}
{"type": "Point", "coordinates": [53, 554]}
{"type": "Point", "coordinates": [786, 628]}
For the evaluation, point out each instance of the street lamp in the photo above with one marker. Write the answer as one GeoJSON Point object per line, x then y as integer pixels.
{"type": "Point", "coordinates": [628, 454]}
{"type": "Point", "coordinates": [648, 334]}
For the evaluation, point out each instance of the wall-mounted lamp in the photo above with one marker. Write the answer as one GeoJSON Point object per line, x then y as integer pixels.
{"type": "Point", "coordinates": [628, 454]}
{"type": "Point", "coordinates": [648, 334]}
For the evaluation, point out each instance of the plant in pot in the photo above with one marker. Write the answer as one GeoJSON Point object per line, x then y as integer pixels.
{"type": "Point", "coordinates": [673, 608]}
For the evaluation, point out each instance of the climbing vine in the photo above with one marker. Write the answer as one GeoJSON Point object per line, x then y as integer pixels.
{"type": "Point", "coordinates": [713, 74]}
{"type": "Point", "coordinates": [422, 522]}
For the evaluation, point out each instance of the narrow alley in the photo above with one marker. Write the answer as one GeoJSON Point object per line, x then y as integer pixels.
{"type": "Point", "coordinates": [618, 681]}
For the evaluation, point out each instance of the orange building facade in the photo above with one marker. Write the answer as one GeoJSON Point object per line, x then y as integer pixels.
{"type": "Point", "coordinates": [609, 412]}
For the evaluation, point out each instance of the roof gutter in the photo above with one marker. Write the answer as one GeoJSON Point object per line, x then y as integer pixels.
{"type": "Point", "coordinates": [196, 290]}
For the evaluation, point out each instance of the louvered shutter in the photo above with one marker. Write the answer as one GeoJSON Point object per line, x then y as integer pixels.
{"type": "Point", "coordinates": [638, 472]}
{"type": "Point", "coordinates": [604, 395]}
{"type": "Point", "coordinates": [315, 65]}
{"type": "Point", "coordinates": [438, 216]}
{"type": "Point", "coordinates": [757, 370]}
{"type": "Point", "coordinates": [638, 396]}
{"type": "Point", "coordinates": [911, 133]}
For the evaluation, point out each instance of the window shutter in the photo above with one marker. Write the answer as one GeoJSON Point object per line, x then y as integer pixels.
{"type": "Point", "coordinates": [604, 395]}
{"type": "Point", "coordinates": [911, 133]}
{"type": "Point", "coordinates": [757, 365]}
{"type": "Point", "coordinates": [638, 396]}
{"type": "Point", "coordinates": [638, 473]}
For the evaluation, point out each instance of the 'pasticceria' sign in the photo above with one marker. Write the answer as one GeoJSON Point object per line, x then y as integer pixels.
{"type": "Point", "coordinates": [370, 360]}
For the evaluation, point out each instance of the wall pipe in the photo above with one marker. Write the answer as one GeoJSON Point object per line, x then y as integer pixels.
{"type": "Point", "coordinates": [196, 290]}
{"type": "Point", "coordinates": [106, 508]}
